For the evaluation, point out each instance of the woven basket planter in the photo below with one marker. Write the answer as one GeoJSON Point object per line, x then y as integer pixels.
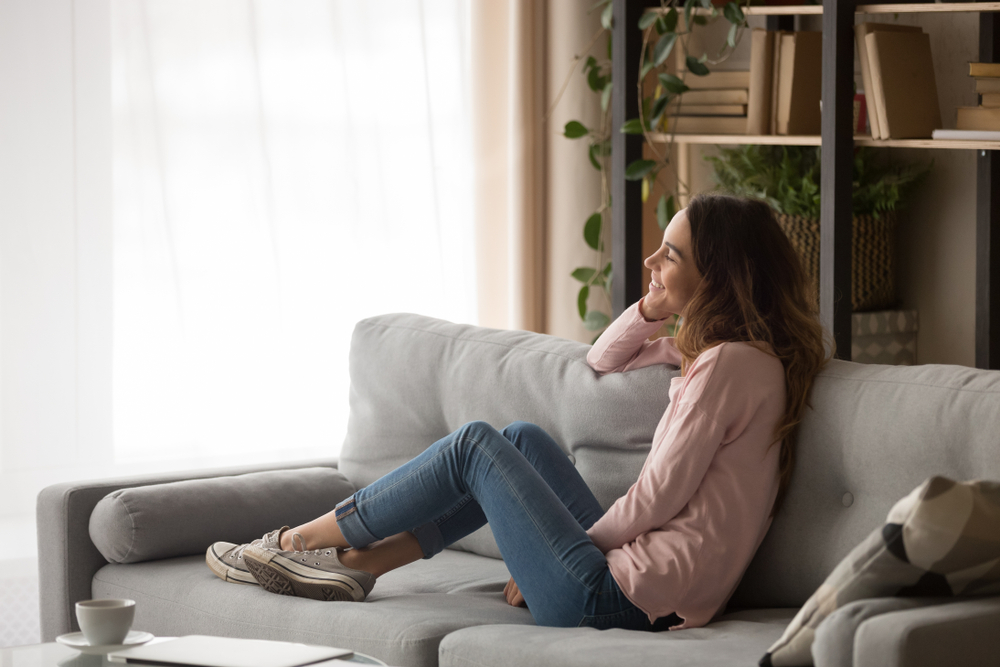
{"type": "Point", "coordinates": [873, 248]}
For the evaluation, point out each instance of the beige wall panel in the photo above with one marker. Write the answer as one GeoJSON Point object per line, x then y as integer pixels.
{"type": "Point", "coordinates": [574, 185]}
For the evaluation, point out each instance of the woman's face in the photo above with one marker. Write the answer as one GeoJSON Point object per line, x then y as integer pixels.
{"type": "Point", "coordinates": [674, 274]}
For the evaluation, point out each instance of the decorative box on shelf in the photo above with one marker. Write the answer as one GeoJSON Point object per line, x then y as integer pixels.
{"type": "Point", "coordinates": [884, 337]}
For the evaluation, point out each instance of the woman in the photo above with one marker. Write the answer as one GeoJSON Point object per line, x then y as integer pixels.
{"type": "Point", "coordinates": [670, 552]}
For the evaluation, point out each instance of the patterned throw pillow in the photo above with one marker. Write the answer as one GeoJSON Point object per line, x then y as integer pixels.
{"type": "Point", "coordinates": [941, 539]}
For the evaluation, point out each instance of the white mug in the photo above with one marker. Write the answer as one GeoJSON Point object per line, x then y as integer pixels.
{"type": "Point", "coordinates": [105, 622]}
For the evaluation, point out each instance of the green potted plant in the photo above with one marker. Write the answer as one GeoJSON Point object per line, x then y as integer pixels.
{"type": "Point", "coordinates": [788, 178]}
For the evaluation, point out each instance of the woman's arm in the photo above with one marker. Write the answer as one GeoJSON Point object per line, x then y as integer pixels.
{"type": "Point", "coordinates": [723, 390]}
{"type": "Point", "coordinates": [624, 346]}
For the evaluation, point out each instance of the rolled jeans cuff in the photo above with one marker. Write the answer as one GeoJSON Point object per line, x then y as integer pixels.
{"type": "Point", "coordinates": [352, 526]}
{"type": "Point", "coordinates": [354, 530]}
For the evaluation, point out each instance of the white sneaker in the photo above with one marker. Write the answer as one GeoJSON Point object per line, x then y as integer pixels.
{"type": "Point", "coordinates": [225, 559]}
{"type": "Point", "coordinates": [316, 574]}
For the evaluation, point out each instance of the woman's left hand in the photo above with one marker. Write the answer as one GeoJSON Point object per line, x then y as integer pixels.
{"type": "Point", "coordinates": [513, 594]}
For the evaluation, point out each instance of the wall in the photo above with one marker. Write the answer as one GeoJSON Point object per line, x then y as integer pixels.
{"type": "Point", "coordinates": [936, 234]}
{"type": "Point", "coordinates": [574, 186]}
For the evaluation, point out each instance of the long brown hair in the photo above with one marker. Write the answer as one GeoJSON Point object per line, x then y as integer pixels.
{"type": "Point", "coordinates": [754, 289]}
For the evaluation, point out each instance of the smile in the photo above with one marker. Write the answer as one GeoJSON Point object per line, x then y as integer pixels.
{"type": "Point", "coordinates": [656, 285]}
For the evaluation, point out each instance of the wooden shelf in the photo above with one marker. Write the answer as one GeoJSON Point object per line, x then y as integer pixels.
{"type": "Point", "coordinates": [815, 140]}
{"type": "Point", "coordinates": [917, 8]}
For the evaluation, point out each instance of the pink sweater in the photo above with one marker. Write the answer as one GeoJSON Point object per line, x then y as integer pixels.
{"type": "Point", "coordinates": [682, 536]}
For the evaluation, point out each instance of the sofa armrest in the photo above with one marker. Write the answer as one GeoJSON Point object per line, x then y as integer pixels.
{"type": "Point", "coordinates": [68, 559]}
{"type": "Point", "coordinates": [958, 634]}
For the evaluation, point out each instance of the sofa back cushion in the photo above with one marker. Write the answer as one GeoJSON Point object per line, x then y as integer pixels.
{"type": "Point", "coordinates": [415, 379]}
{"type": "Point", "coordinates": [873, 434]}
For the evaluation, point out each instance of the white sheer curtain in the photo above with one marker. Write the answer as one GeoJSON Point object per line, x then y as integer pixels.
{"type": "Point", "coordinates": [281, 170]}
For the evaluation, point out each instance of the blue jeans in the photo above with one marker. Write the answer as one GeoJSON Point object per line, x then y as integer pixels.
{"type": "Point", "coordinates": [536, 503]}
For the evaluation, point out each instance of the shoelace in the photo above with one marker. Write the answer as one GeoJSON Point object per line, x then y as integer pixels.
{"type": "Point", "coordinates": [299, 546]}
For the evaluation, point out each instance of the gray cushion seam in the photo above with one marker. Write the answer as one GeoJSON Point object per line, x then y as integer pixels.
{"type": "Point", "coordinates": [131, 519]}
{"type": "Point", "coordinates": [908, 384]}
{"type": "Point", "coordinates": [270, 627]}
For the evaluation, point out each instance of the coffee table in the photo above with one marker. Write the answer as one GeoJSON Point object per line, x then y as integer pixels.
{"type": "Point", "coordinates": [57, 655]}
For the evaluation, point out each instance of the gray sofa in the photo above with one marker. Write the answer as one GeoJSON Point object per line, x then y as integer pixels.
{"type": "Point", "coordinates": [873, 434]}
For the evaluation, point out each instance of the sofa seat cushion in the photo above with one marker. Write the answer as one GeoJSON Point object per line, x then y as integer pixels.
{"type": "Point", "coordinates": [733, 639]}
{"type": "Point", "coordinates": [402, 623]}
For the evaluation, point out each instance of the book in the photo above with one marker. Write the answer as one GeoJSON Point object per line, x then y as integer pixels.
{"type": "Point", "coordinates": [969, 135]}
{"type": "Point", "coordinates": [775, 82]}
{"type": "Point", "coordinates": [707, 124]}
{"type": "Point", "coordinates": [903, 79]}
{"type": "Point", "coordinates": [987, 85]}
{"type": "Point", "coordinates": [722, 96]}
{"type": "Point", "coordinates": [977, 118]}
{"type": "Point", "coordinates": [990, 100]}
{"type": "Point", "coordinates": [800, 81]}
{"type": "Point", "coordinates": [685, 109]}
{"type": "Point", "coordinates": [717, 79]}
{"type": "Point", "coordinates": [759, 94]}
{"type": "Point", "coordinates": [984, 69]}
{"type": "Point", "coordinates": [205, 651]}
{"type": "Point", "coordinates": [860, 32]}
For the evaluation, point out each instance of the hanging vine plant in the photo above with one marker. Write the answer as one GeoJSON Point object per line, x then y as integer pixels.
{"type": "Point", "coordinates": [660, 35]}
{"type": "Point", "coordinates": [597, 277]}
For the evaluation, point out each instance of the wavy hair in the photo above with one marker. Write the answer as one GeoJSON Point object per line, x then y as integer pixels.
{"type": "Point", "coordinates": [754, 289]}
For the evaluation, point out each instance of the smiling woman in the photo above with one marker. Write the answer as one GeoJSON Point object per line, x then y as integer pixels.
{"type": "Point", "coordinates": [270, 191]}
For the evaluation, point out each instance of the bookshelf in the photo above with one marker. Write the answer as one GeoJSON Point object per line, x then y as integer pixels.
{"type": "Point", "coordinates": [838, 17]}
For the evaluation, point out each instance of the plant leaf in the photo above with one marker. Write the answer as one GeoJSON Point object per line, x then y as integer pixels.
{"type": "Point", "coordinates": [663, 48]}
{"type": "Point", "coordinates": [592, 231]}
{"type": "Point", "coordinates": [595, 80]}
{"type": "Point", "coordinates": [596, 320]}
{"type": "Point", "coordinates": [699, 20]}
{"type": "Point", "coordinates": [638, 169]}
{"type": "Point", "coordinates": [645, 189]}
{"type": "Point", "coordinates": [647, 20]}
{"type": "Point", "coordinates": [658, 107]}
{"type": "Point", "coordinates": [733, 13]}
{"type": "Point", "coordinates": [607, 270]}
{"type": "Point", "coordinates": [632, 126]}
{"type": "Point", "coordinates": [583, 274]}
{"type": "Point", "coordinates": [589, 63]}
{"type": "Point", "coordinates": [591, 153]}
{"type": "Point", "coordinates": [673, 84]}
{"type": "Point", "coordinates": [575, 129]}
{"type": "Point", "coordinates": [671, 20]}
{"type": "Point", "coordinates": [606, 16]}
{"type": "Point", "coordinates": [731, 37]}
{"type": "Point", "coordinates": [661, 26]}
{"type": "Point", "coordinates": [671, 209]}
{"type": "Point", "coordinates": [688, 7]}
{"type": "Point", "coordinates": [606, 96]}
{"type": "Point", "coordinates": [647, 65]}
{"type": "Point", "coordinates": [581, 301]}
{"type": "Point", "coordinates": [695, 66]}
{"type": "Point", "coordinates": [661, 213]}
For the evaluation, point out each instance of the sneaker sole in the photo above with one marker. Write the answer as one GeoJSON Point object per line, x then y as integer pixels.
{"type": "Point", "coordinates": [277, 576]}
{"type": "Point", "coordinates": [227, 573]}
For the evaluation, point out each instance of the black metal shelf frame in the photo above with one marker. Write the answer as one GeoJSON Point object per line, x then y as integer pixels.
{"type": "Point", "coordinates": [835, 196]}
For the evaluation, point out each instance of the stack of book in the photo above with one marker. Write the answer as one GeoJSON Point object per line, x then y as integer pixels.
{"type": "Point", "coordinates": [898, 76]}
{"type": "Point", "coordinates": [779, 94]}
{"type": "Point", "coordinates": [716, 104]}
{"type": "Point", "coordinates": [986, 116]}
